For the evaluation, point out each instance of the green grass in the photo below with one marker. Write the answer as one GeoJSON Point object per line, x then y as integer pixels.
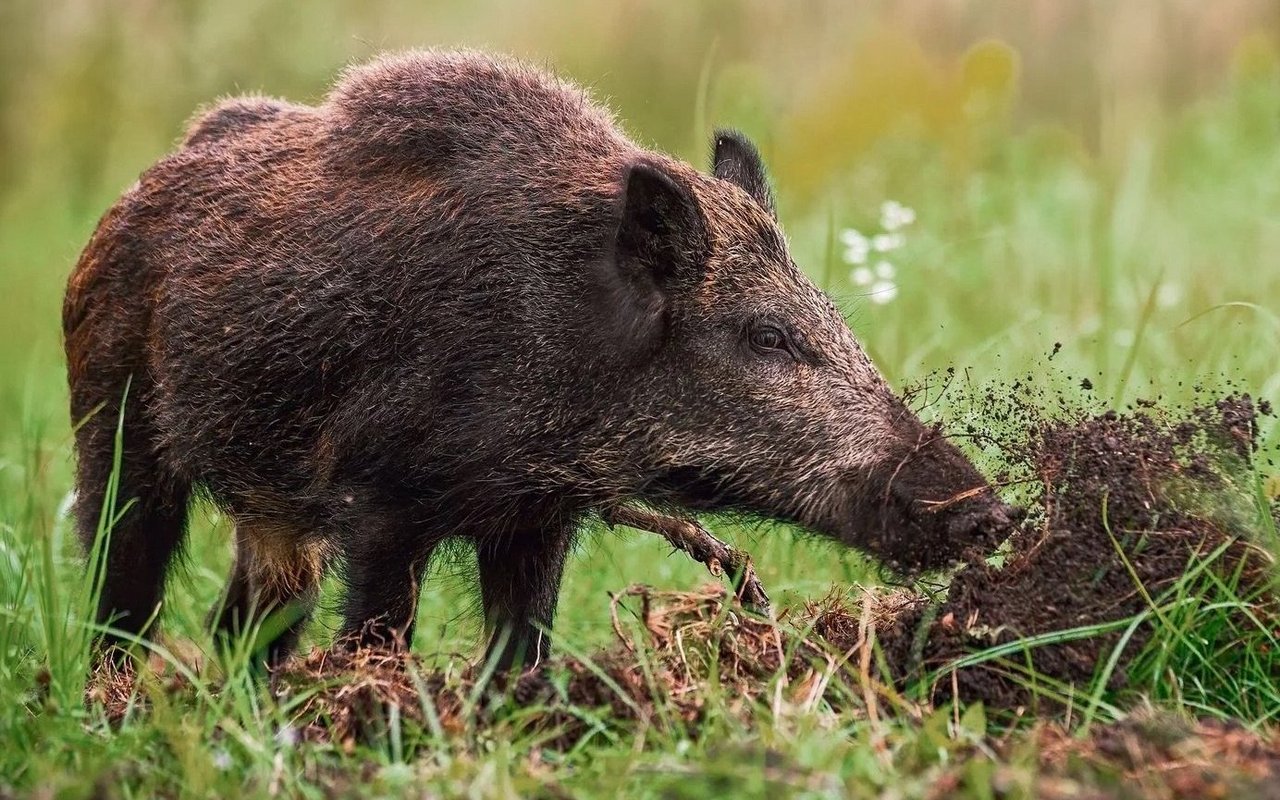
{"type": "Point", "coordinates": [1149, 255]}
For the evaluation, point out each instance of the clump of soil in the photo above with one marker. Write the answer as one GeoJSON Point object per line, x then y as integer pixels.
{"type": "Point", "coordinates": [1129, 503]}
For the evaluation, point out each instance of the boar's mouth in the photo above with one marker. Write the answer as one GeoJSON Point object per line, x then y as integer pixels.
{"type": "Point", "coordinates": [912, 531]}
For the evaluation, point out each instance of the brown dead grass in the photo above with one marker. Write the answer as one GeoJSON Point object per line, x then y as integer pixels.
{"type": "Point", "coordinates": [1150, 755]}
{"type": "Point", "coordinates": [818, 658]}
{"type": "Point", "coordinates": [813, 660]}
{"type": "Point", "coordinates": [1159, 756]}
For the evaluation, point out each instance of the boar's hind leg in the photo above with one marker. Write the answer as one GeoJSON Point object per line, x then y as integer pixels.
{"type": "Point", "coordinates": [272, 589]}
{"type": "Point", "coordinates": [519, 584]}
{"type": "Point", "coordinates": [151, 505]}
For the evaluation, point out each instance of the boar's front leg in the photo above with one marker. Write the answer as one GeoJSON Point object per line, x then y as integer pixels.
{"type": "Point", "coordinates": [519, 584]}
{"type": "Point", "coordinates": [688, 535]}
{"type": "Point", "coordinates": [384, 556]}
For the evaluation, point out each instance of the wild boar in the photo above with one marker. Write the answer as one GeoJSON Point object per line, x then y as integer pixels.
{"type": "Point", "coordinates": [454, 301]}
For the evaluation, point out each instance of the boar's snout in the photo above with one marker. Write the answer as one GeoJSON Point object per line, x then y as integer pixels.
{"type": "Point", "coordinates": [928, 507]}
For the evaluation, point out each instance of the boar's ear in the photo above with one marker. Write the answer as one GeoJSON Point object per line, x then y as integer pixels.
{"type": "Point", "coordinates": [735, 159]}
{"type": "Point", "coordinates": [660, 246]}
{"type": "Point", "coordinates": [661, 236]}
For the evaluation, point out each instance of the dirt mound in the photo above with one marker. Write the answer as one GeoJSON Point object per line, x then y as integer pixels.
{"type": "Point", "coordinates": [669, 644]}
{"type": "Point", "coordinates": [1130, 504]}
{"type": "Point", "coordinates": [795, 662]}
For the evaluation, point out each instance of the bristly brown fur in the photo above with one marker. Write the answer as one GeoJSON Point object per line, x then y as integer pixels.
{"type": "Point", "coordinates": [455, 301]}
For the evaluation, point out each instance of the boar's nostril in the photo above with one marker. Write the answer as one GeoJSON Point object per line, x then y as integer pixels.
{"type": "Point", "coordinates": [964, 524]}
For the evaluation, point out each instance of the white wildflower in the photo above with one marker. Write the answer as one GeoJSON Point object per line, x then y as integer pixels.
{"type": "Point", "coordinates": [883, 292]}
{"type": "Point", "coordinates": [884, 242]}
{"type": "Point", "coordinates": [878, 277]}
{"type": "Point", "coordinates": [851, 236]}
{"type": "Point", "coordinates": [894, 215]}
{"type": "Point", "coordinates": [856, 246]}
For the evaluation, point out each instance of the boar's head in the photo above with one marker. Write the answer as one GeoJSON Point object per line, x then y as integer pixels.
{"type": "Point", "coordinates": [749, 392]}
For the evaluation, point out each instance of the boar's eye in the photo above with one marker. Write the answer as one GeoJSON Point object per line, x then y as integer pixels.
{"type": "Point", "coordinates": [767, 337]}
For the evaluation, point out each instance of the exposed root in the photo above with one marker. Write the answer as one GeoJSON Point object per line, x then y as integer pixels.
{"type": "Point", "coordinates": [112, 687]}
{"type": "Point", "coordinates": [119, 682]}
{"type": "Point", "coordinates": [349, 693]}
{"type": "Point", "coordinates": [934, 506]}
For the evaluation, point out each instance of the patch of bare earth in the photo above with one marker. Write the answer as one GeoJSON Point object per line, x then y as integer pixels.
{"type": "Point", "coordinates": [668, 645]}
{"type": "Point", "coordinates": [1156, 756]}
{"type": "Point", "coordinates": [814, 658]}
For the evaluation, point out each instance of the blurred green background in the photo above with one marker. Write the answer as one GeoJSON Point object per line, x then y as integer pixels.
{"type": "Point", "coordinates": [1096, 174]}
{"type": "Point", "coordinates": [1066, 160]}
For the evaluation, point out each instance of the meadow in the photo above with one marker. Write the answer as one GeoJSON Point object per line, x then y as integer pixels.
{"type": "Point", "coordinates": [1051, 197]}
